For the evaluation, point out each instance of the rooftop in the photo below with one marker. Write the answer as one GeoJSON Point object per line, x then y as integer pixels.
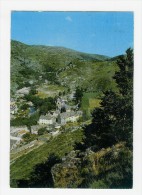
{"type": "Point", "coordinates": [70, 114]}
{"type": "Point", "coordinates": [47, 117]}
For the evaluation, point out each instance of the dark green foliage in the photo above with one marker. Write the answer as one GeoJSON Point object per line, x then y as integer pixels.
{"type": "Point", "coordinates": [26, 71]}
{"type": "Point", "coordinates": [24, 107]}
{"type": "Point", "coordinates": [121, 174]}
{"type": "Point", "coordinates": [60, 93]}
{"type": "Point", "coordinates": [124, 77]}
{"type": "Point", "coordinates": [28, 137]}
{"type": "Point", "coordinates": [44, 105]}
{"type": "Point", "coordinates": [33, 91]}
{"type": "Point", "coordinates": [114, 170]}
{"type": "Point", "coordinates": [19, 121]}
{"type": "Point", "coordinates": [47, 105]}
{"type": "Point", "coordinates": [41, 131]}
{"type": "Point", "coordinates": [97, 184]}
{"type": "Point", "coordinates": [41, 176]}
{"type": "Point", "coordinates": [63, 109]}
{"type": "Point", "coordinates": [78, 95]}
{"type": "Point", "coordinates": [113, 122]}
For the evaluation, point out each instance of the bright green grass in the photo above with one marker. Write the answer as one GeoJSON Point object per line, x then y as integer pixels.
{"type": "Point", "coordinates": [86, 98]}
{"type": "Point", "coordinates": [89, 102]}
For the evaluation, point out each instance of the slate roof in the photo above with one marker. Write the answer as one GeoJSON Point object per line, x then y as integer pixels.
{"type": "Point", "coordinates": [47, 117]}
{"type": "Point", "coordinates": [69, 114]}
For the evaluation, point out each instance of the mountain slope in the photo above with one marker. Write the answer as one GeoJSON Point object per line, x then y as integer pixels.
{"type": "Point", "coordinates": [35, 50]}
{"type": "Point", "coordinates": [64, 66]}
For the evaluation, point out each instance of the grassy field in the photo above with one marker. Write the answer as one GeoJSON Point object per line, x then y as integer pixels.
{"type": "Point", "coordinates": [46, 90]}
{"type": "Point", "coordinates": [89, 102]}
{"type": "Point", "coordinates": [94, 103]}
{"type": "Point", "coordinates": [59, 145]}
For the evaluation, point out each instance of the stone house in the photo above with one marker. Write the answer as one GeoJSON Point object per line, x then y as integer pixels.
{"type": "Point", "coordinates": [71, 116]}
{"type": "Point", "coordinates": [56, 113]}
{"type": "Point", "coordinates": [35, 128]}
{"type": "Point", "coordinates": [47, 119]}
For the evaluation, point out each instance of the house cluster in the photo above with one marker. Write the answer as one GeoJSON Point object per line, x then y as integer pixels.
{"type": "Point", "coordinates": [62, 115]}
{"type": "Point", "coordinates": [16, 134]}
{"type": "Point", "coordinates": [72, 116]}
{"type": "Point", "coordinates": [60, 118]}
{"type": "Point", "coordinates": [52, 121]}
{"type": "Point", "coordinates": [47, 119]}
{"type": "Point", "coordinates": [63, 106]}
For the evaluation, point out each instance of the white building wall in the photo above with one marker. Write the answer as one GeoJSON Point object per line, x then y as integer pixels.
{"type": "Point", "coordinates": [45, 121]}
{"type": "Point", "coordinates": [72, 119]}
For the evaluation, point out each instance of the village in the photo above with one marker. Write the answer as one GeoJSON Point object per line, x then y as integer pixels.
{"type": "Point", "coordinates": [53, 122]}
{"type": "Point", "coordinates": [71, 99]}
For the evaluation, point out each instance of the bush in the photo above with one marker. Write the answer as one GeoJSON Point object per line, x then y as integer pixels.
{"type": "Point", "coordinates": [28, 137]}
{"type": "Point", "coordinates": [41, 131]}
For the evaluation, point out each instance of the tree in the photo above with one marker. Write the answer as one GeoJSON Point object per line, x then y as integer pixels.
{"type": "Point", "coordinates": [19, 121]}
{"type": "Point", "coordinates": [60, 93]}
{"type": "Point", "coordinates": [41, 131]}
{"type": "Point", "coordinates": [113, 121]}
{"type": "Point", "coordinates": [47, 105]}
{"type": "Point", "coordinates": [33, 91]}
{"type": "Point", "coordinates": [24, 107]}
{"type": "Point", "coordinates": [124, 115]}
{"type": "Point", "coordinates": [44, 105]}
{"type": "Point", "coordinates": [78, 95]}
{"type": "Point", "coordinates": [28, 137]}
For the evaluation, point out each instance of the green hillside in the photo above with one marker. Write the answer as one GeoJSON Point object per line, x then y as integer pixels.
{"type": "Point", "coordinates": [93, 150]}
{"type": "Point", "coordinates": [61, 66]}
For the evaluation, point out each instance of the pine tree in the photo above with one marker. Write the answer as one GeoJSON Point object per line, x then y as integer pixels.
{"type": "Point", "coordinates": [113, 121]}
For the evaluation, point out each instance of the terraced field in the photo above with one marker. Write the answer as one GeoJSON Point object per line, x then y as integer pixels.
{"type": "Point", "coordinates": [59, 145]}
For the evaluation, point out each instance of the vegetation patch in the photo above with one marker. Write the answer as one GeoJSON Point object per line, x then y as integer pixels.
{"type": "Point", "coordinates": [59, 145]}
{"type": "Point", "coordinates": [89, 102]}
{"type": "Point", "coordinates": [94, 103]}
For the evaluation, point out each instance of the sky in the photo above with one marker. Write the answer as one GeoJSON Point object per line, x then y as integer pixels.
{"type": "Point", "coordinates": [105, 33]}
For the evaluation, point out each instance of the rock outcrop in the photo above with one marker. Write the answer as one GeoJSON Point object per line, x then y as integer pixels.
{"type": "Point", "coordinates": [78, 167]}
{"type": "Point", "coordinates": [67, 174]}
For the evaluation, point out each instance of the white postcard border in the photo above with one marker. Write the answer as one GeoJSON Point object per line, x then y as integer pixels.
{"type": "Point", "coordinates": [6, 6]}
